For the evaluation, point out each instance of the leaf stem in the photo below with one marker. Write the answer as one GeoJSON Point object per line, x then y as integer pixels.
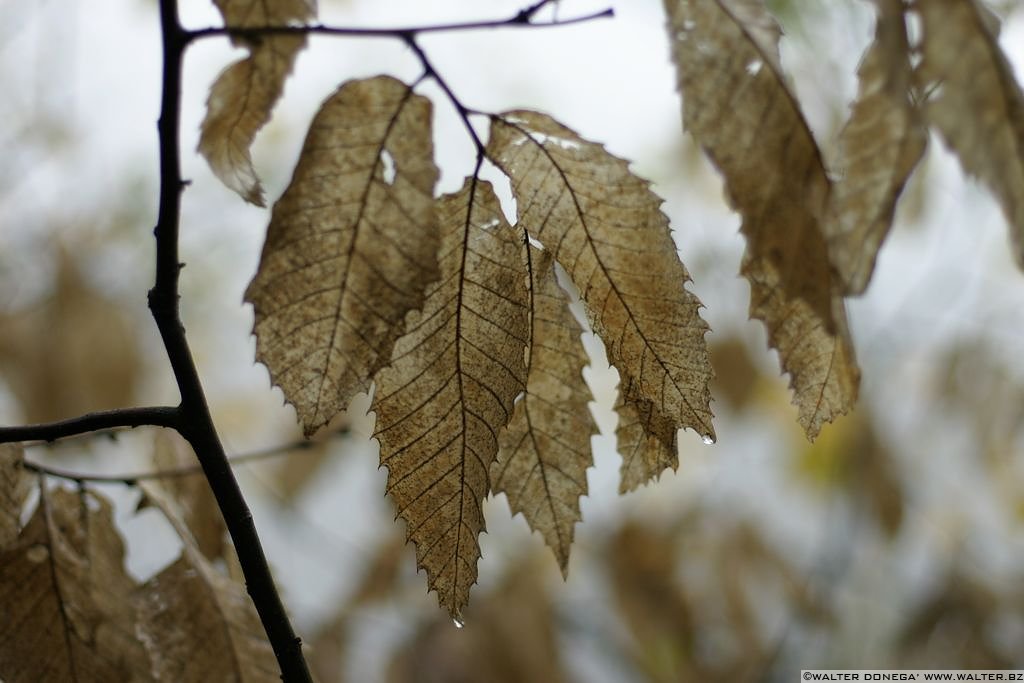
{"type": "Point", "coordinates": [463, 111]}
{"type": "Point", "coordinates": [195, 422]}
{"type": "Point", "coordinates": [522, 19]}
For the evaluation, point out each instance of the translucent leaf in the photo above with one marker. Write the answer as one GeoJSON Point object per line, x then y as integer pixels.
{"type": "Point", "coordinates": [66, 597]}
{"type": "Point", "coordinates": [245, 93]}
{"type": "Point", "coordinates": [545, 451]}
{"type": "Point", "coordinates": [647, 442]}
{"type": "Point", "coordinates": [737, 106]}
{"type": "Point", "coordinates": [976, 104]}
{"type": "Point", "coordinates": [348, 253]}
{"type": "Point", "coordinates": [14, 488]}
{"type": "Point", "coordinates": [605, 227]}
{"type": "Point", "coordinates": [881, 145]}
{"type": "Point", "coordinates": [199, 625]}
{"type": "Point", "coordinates": [451, 386]}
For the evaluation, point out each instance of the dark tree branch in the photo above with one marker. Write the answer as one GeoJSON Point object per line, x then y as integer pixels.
{"type": "Point", "coordinates": [134, 478]}
{"type": "Point", "coordinates": [161, 416]}
{"type": "Point", "coordinates": [196, 424]}
{"type": "Point", "coordinates": [522, 19]}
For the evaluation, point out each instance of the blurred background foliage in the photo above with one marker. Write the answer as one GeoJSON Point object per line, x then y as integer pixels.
{"type": "Point", "coordinates": [895, 540]}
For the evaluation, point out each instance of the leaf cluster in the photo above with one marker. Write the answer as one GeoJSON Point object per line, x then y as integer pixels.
{"type": "Point", "coordinates": [451, 311]}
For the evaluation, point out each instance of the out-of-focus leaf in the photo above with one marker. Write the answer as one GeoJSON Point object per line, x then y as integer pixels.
{"type": "Point", "coordinates": [245, 93]}
{"type": "Point", "coordinates": [953, 626]}
{"type": "Point", "coordinates": [975, 102]}
{"type": "Point", "coordinates": [852, 458]}
{"type": "Point", "coordinates": [737, 106]}
{"type": "Point", "coordinates": [605, 227]}
{"type": "Point", "coordinates": [882, 143]}
{"type": "Point", "coordinates": [451, 386]}
{"type": "Point", "coordinates": [199, 508]}
{"type": "Point", "coordinates": [704, 623]}
{"type": "Point", "coordinates": [328, 646]}
{"type": "Point", "coordinates": [74, 353]}
{"type": "Point", "coordinates": [545, 452]}
{"type": "Point", "coordinates": [656, 607]}
{"type": "Point", "coordinates": [510, 637]}
{"type": "Point", "coordinates": [200, 626]}
{"type": "Point", "coordinates": [67, 598]}
{"type": "Point", "coordinates": [14, 488]}
{"type": "Point", "coordinates": [298, 469]}
{"type": "Point", "coordinates": [647, 442]}
{"type": "Point", "coordinates": [736, 375]}
{"type": "Point", "coordinates": [349, 251]}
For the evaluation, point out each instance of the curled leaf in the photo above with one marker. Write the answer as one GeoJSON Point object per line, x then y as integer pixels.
{"type": "Point", "coordinates": [975, 102]}
{"type": "Point", "coordinates": [605, 227]}
{"type": "Point", "coordinates": [451, 386]}
{"type": "Point", "coordinates": [245, 93]}
{"type": "Point", "coordinates": [881, 145]}
{"type": "Point", "coordinates": [348, 252]}
{"type": "Point", "coordinates": [737, 106]}
{"type": "Point", "coordinates": [545, 451]}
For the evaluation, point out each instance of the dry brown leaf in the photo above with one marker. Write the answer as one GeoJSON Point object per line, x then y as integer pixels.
{"type": "Point", "coordinates": [349, 251]}
{"type": "Point", "coordinates": [647, 442]}
{"type": "Point", "coordinates": [737, 106]}
{"type": "Point", "coordinates": [199, 625]}
{"type": "Point", "coordinates": [545, 452]}
{"type": "Point", "coordinates": [976, 103]}
{"type": "Point", "coordinates": [14, 488]}
{"type": "Point", "coordinates": [451, 386]}
{"type": "Point", "coordinates": [66, 597]}
{"type": "Point", "coordinates": [200, 510]}
{"type": "Point", "coordinates": [605, 227]}
{"type": "Point", "coordinates": [880, 146]}
{"type": "Point", "coordinates": [245, 93]}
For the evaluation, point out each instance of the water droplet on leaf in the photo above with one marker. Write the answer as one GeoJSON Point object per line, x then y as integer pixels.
{"type": "Point", "coordinates": [708, 439]}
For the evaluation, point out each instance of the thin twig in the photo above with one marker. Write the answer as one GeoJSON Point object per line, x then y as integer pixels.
{"type": "Point", "coordinates": [522, 19]}
{"type": "Point", "coordinates": [196, 424]}
{"type": "Point", "coordinates": [463, 111]}
{"type": "Point", "coordinates": [188, 470]}
{"type": "Point", "coordinates": [159, 416]}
